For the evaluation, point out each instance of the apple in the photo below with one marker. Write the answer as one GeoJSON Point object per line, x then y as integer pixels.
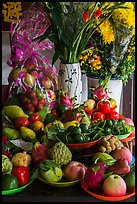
{"type": "Point", "coordinates": [122, 153]}
{"type": "Point", "coordinates": [129, 121]}
{"type": "Point", "coordinates": [74, 171]}
{"type": "Point", "coordinates": [21, 121]}
{"type": "Point", "coordinates": [114, 185]}
{"type": "Point", "coordinates": [90, 104]}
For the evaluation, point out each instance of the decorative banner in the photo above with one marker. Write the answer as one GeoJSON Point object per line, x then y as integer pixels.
{"type": "Point", "coordinates": [11, 11]}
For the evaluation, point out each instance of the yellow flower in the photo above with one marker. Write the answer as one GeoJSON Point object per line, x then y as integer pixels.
{"type": "Point", "coordinates": [95, 56]}
{"type": "Point", "coordinates": [129, 57]}
{"type": "Point", "coordinates": [96, 64]}
{"type": "Point", "coordinates": [90, 52]}
{"type": "Point", "coordinates": [81, 63]}
{"type": "Point", "coordinates": [85, 57]}
{"type": "Point", "coordinates": [125, 17]}
{"type": "Point", "coordinates": [106, 32]}
{"type": "Point", "coordinates": [81, 57]}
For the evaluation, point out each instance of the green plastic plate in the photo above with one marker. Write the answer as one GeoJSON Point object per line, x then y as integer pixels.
{"type": "Point", "coordinates": [61, 183]}
{"type": "Point", "coordinates": [120, 137]}
{"type": "Point", "coordinates": [17, 190]}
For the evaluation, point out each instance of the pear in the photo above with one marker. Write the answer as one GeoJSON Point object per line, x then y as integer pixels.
{"type": "Point", "coordinates": [11, 133]}
{"type": "Point", "coordinates": [14, 111]}
{"type": "Point", "coordinates": [29, 80]}
{"type": "Point", "coordinates": [27, 134]}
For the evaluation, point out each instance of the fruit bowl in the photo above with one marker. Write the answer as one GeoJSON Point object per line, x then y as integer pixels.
{"type": "Point", "coordinates": [84, 145]}
{"type": "Point", "coordinates": [100, 195]}
{"type": "Point", "coordinates": [16, 190]}
{"type": "Point", "coordinates": [62, 183]}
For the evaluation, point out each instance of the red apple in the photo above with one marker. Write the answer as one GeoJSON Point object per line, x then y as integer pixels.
{"type": "Point", "coordinates": [21, 121]}
{"type": "Point", "coordinates": [129, 121]}
{"type": "Point", "coordinates": [114, 185]}
{"type": "Point", "coordinates": [122, 153]}
{"type": "Point", "coordinates": [74, 171]}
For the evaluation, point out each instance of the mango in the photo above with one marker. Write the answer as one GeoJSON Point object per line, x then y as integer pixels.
{"type": "Point", "coordinates": [103, 157]}
{"type": "Point", "coordinates": [36, 126]}
{"type": "Point", "coordinates": [10, 133]}
{"type": "Point", "coordinates": [14, 111]}
{"type": "Point", "coordinates": [27, 134]}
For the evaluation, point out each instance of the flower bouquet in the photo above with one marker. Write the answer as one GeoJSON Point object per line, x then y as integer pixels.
{"type": "Point", "coordinates": [72, 24]}
{"type": "Point", "coordinates": [111, 49]}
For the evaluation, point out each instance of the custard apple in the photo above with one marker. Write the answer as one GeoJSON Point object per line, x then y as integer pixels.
{"type": "Point", "coordinates": [6, 165]}
{"type": "Point", "coordinates": [60, 153]}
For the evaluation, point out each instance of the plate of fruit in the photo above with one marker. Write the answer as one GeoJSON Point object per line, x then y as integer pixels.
{"type": "Point", "coordinates": [16, 173]}
{"type": "Point", "coordinates": [62, 183]}
{"type": "Point", "coordinates": [15, 190]}
{"type": "Point", "coordinates": [81, 146]}
{"type": "Point", "coordinates": [100, 195]}
{"type": "Point", "coordinates": [79, 137]}
{"type": "Point", "coordinates": [115, 182]}
{"type": "Point", "coordinates": [54, 174]}
{"type": "Point", "coordinates": [130, 137]}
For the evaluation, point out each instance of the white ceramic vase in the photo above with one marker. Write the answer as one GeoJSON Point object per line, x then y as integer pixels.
{"type": "Point", "coordinates": [115, 88]}
{"type": "Point", "coordinates": [70, 80]}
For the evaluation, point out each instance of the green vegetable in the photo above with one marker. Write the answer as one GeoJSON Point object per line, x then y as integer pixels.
{"type": "Point", "coordinates": [51, 129]}
{"type": "Point", "coordinates": [79, 138]}
{"type": "Point", "coordinates": [84, 127]}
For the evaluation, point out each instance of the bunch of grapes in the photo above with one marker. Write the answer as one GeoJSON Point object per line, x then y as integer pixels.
{"type": "Point", "coordinates": [31, 102]}
{"type": "Point", "coordinates": [109, 143]}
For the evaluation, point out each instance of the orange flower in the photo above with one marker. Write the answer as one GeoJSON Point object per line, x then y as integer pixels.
{"type": "Point", "coordinates": [97, 13]}
{"type": "Point", "coordinates": [85, 16]}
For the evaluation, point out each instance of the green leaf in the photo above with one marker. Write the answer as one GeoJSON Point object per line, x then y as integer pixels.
{"type": "Point", "coordinates": [107, 174]}
{"type": "Point", "coordinates": [35, 174]}
{"type": "Point", "coordinates": [56, 56]}
{"type": "Point", "coordinates": [95, 168]}
{"type": "Point", "coordinates": [48, 164]}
